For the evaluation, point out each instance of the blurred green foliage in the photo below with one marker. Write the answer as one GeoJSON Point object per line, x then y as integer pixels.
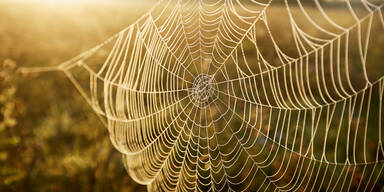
{"type": "Point", "coordinates": [50, 140]}
{"type": "Point", "coordinates": [8, 113]}
{"type": "Point", "coordinates": [53, 147]}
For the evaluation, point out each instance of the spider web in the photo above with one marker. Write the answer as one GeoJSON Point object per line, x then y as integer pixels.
{"type": "Point", "coordinates": [211, 95]}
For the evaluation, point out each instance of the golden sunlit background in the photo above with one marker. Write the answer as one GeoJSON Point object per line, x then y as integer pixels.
{"type": "Point", "coordinates": [50, 139]}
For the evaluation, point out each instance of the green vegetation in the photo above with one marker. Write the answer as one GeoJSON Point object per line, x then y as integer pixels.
{"type": "Point", "coordinates": [50, 139]}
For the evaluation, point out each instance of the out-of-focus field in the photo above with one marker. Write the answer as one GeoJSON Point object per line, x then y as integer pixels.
{"type": "Point", "coordinates": [50, 140]}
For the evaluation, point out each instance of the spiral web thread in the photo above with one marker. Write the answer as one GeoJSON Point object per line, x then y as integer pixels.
{"type": "Point", "coordinates": [204, 95]}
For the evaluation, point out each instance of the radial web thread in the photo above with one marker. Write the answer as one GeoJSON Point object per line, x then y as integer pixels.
{"type": "Point", "coordinates": [258, 95]}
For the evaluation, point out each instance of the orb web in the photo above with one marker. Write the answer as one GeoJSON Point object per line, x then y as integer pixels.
{"type": "Point", "coordinates": [258, 95]}
{"type": "Point", "coordinates": [203, 91]}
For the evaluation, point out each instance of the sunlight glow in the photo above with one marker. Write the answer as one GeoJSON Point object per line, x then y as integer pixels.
{"type": "Point", "coordinates": [61, 1]}
{"type": "Point", "coordinates": [55, 2]}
